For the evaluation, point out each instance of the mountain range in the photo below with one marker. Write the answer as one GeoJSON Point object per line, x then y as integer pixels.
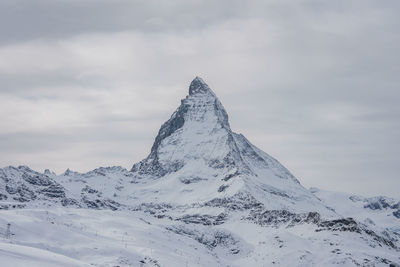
{"type": "Point", "coordinates": [204, 196]}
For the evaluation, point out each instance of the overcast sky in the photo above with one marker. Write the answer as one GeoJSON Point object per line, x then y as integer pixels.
{"type": "Point", "coordinates": [87, 83]}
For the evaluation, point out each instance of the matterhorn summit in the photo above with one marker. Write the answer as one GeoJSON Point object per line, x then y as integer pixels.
{"type": "Point", "coordinates": [204, 196]}
{"type": "Point", "coordinates": [197, 157]}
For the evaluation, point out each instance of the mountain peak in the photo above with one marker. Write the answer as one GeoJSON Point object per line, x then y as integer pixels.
{"type": "Point", "coordinates": [198, 137]}
{"type": "Point", "coordinates": [196, 157]}
{"type": "Point", "coordinates": [198, 86]}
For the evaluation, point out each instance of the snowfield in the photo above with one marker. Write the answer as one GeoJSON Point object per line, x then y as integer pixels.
{"type": "Point", "coordinates": [83, 237]}
{"type": "Point", "coordinates": [205, 196]}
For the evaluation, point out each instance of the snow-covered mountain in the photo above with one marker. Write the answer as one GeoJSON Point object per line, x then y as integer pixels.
{"type": "Point", "coordinates": [374, 211]}
{"type": "Point", "coordinates": [204, 196]}
{"type": "Point", "coordinates": [197, 158]}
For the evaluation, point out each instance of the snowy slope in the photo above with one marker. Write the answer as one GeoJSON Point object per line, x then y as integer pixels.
{"type": "Point", "coordinates": [378, 211]}
{"type": "Point", "coordinates": [76, 237]}
{"type": "Point", "coordinates": [22, 256]}
{"type": "Point", "coordinates": [205, 196]}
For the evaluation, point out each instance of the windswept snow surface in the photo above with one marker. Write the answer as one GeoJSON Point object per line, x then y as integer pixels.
{"type": "Point", "coordinates": [78, 237]}
{"type": "Point", "coordinates": [205, 196]}
{"type": "Point", "coordinates": [383, 212]}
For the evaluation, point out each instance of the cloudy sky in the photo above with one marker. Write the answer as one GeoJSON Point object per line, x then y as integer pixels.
{"type": "Point", "coordinates": [87, 83]}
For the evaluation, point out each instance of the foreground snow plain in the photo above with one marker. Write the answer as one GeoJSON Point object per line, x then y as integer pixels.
{"type": "Point", "coordinates": [81, 237]}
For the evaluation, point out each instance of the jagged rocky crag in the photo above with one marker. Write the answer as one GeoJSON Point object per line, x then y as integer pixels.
{"type": "Point", "coordinates": [227, 200]}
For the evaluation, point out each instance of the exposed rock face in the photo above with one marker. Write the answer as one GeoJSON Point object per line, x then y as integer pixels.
{"type": "Point", "coordinates": [198, 86]}
{"type": "Point", "coordinates": [24, 185]}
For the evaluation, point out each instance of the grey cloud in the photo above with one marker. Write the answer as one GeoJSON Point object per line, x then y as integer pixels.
{"type": "Point", "coordinates": [24, 20]}
{"type": "Point", "coordinates": [314, 83]}
{"type": "Point", "coordinates": [19, 83]}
